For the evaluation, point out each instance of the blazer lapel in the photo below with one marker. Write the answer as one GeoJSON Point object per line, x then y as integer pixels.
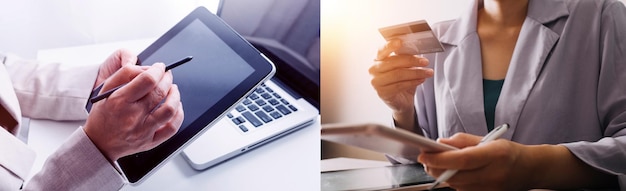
{"type": "Point", "coordinates": [463, 73]}
{"type": "Point", "coordinates": [463, 66]}
{"type": "Point", "coordinates": [533, 48]}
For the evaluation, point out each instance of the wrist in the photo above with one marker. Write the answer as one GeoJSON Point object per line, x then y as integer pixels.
{"type": "Point", "coordinates": [100, 145]}
{"type": "Point", "coordinates": [534, 159]}
{"type": "Point", "coordinates": [556, 167]}
{"type": "Point", "coordinates": [405, 119]}
{"type": "Point", "coordinates": [546, 161]}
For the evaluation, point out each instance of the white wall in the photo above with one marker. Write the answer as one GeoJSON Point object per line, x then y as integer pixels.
{"type": "Point", "coordinates": [350, 40]}
{"type": "Point", "coordinates": [27, 26]}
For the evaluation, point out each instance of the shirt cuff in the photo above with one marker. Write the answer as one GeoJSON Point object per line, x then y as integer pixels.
{"type": "Point", "coordinates": [416, 127]}
{"type": "Point", "coordinates": [77, 165]}
{"type": "Point", "coordinates": [16, 157]}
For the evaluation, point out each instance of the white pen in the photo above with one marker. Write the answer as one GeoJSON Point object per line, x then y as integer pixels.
{"type": "Point", "coordinates": [493, 135]}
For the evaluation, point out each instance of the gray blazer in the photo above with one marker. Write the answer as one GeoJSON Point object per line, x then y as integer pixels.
{"type": "Point", "coordinates": [566, 82]}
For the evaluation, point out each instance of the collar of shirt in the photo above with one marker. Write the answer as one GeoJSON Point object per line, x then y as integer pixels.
{"type": "Point", "coordinates": [10, 114]}
{"type": "Point", "coordinates": [7, 121]}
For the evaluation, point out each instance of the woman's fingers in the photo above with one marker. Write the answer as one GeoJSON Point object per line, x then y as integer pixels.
{"type": "Point", "coordinates": [389, 48]}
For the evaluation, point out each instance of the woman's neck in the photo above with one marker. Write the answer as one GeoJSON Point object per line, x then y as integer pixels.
{"type": "Point", "coordinates": [503, 13]}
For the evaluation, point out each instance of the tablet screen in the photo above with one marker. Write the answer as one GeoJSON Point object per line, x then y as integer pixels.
{"type": "Point", "coordinates": [214, 70]}
{"type": "Point", "coordinates": [223, 70]}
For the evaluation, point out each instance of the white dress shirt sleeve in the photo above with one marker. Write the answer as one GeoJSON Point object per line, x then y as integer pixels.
{"type": "Point", "coordinates": [43, 90]}
{"type": "Point", "coordinates": [58, 92]}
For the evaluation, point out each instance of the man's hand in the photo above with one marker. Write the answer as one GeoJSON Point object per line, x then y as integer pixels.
{"type": "Point", "coordinates": [135, 118]}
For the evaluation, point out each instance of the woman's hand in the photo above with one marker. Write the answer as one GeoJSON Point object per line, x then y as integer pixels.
{"type": "Point", "coordinates": [395, 77]}
{"type": "Point", "coordinates": [497, 165]}
{"type": "Point", "coordinates": [506, 165]}
{"type": "Point", "coordinates": [137, 117]}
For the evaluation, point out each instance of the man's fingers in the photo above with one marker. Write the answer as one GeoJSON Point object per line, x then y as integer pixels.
{"type": "Point", "coordinates": [170, 128]}
{"type": "Point", "coordinates": [173, 116]}
{"type": "Point", "coordinates": [160, 92]}
{"type": "Point", "coordinates": [164, 112]}
{"type": "Point", "coordinates": [122, 76]}
{"type": "Point", "coordinates": [143, 84]}
{"type": "Point", "coordinates": [390, 47]}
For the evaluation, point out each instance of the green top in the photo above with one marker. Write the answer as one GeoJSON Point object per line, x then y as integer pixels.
{"type": "Point", "coordinates": [491, 93]}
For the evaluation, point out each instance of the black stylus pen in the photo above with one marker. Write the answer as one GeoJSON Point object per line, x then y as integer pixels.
{"type": "Point", "coordinates": [108, 93]}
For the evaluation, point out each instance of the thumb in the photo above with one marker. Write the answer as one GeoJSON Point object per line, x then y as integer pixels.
{"type": "Point", "coordinates": [390, 47]}
{"type": "Point", "coordinates": [461, 140]}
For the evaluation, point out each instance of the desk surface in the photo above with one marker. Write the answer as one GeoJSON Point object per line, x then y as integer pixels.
{"type": "Point", "coordinates": [289, 163]}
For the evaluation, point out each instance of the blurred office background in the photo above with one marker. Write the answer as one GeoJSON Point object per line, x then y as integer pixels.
{"type": "Point", "coordinates": [350, 40]}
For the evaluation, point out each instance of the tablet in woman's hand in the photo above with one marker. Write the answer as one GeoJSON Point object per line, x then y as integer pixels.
{"type": "Point", "coordinates": [382, 139]}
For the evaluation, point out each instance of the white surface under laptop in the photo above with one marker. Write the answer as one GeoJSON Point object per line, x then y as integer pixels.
{"type": "Point", "coordinates": [267, 168]}
{"type": "Point", "coordinates": [225, 140]}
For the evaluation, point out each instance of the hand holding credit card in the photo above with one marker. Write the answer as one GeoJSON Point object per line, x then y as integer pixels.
{"type": "Point", "coordinates": [417, 37]}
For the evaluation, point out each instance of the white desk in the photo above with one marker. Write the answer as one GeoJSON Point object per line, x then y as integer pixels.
{"type": "Point", "coordinates": [289, 163]}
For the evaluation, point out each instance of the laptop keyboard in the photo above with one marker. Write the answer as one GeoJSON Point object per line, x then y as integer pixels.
{"type": "Point", "coordinates": [261, 107]}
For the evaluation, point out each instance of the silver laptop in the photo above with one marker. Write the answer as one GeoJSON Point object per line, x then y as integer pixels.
{"type": "Point", "coordinates": [287, 102]}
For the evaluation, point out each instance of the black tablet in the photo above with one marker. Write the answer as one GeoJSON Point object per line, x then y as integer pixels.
{"type": "Point", "coordinates": [224, 69]}
{"type": "Point", "coordinates": [408, 176]}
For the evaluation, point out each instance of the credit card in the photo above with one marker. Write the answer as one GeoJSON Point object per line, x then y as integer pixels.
{"type": "Point", "coordinates": [417, 37]}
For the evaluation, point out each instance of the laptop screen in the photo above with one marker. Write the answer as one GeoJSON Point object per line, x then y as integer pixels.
{"type": "Point", "coordinates": [298, 76]}
{"type": "Point", "coordinates": [287, 32]}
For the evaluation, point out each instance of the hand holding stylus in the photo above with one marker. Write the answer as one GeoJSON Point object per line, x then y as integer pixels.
{"type": "Point", "coordinates": [493, 135]}
{"type": "Point", "coordinates": [109, 92]}
{"type": "Point", "coordinates": [138, 116]}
